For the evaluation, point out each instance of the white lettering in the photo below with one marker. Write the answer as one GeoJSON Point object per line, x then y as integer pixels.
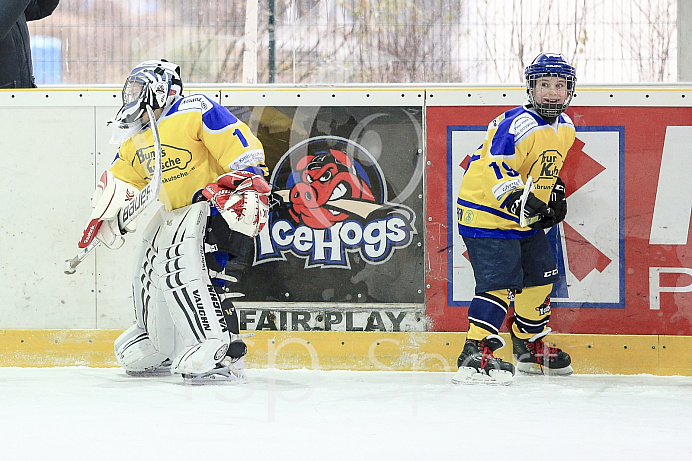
{"type": "Point", "coordinates": [376, 246]}
{"type": "Point", "coordinates": [655, 288]}
{"type": "Point", "coordinates": [330, 246]}
{"type": "Point", "coordinates": [673, 206]}
{"type": "Point", "coordinates": [375, 241]}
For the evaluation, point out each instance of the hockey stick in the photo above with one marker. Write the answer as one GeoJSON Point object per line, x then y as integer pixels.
{"type": "Point", "coordinates": [528, 188]}
{"type": "Point", "coordinates": [146, 196]}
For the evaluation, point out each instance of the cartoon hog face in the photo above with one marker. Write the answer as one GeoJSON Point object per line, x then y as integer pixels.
{"type": "Point", "coordinates": [324, 178]}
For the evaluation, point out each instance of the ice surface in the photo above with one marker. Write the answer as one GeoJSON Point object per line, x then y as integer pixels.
{"type": "Point", "coordinates": [79, 413]}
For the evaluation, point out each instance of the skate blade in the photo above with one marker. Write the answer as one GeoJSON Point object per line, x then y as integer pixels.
{"type": "Point", "coordinates": [467, 375]}
{"type": "Point", "coordinates": [149, 374]}
{"type": "Point", "coordinates": [214, 381]}
{"type": "Point", "coordinates": [531, 368]}
{"type": "Point", "coordinates": [231, 376]}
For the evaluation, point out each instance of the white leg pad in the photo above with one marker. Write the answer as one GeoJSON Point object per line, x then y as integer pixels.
{"type": "Point", "coordinates": [201, 357]}
{"type": "Point", "coordinates": [136, 352]}
{"type": "Point", "coordinates": [193, 303]}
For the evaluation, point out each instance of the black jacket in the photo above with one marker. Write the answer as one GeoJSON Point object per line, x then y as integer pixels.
{"type": "Point", "coordinates": [16, 70]}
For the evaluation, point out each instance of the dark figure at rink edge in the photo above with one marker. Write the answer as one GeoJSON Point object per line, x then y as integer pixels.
{"type": "Point", "coordinates": [512, 262]}
{"type": "Point", "coordinates": [196, 247]}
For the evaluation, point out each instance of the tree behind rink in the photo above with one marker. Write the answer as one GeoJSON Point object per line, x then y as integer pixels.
{"type": "Point", "coordinates": [359, 41]}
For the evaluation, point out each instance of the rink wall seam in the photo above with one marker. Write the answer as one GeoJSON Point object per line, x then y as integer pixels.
{"type": "Point", "coordinates": [363, 351]}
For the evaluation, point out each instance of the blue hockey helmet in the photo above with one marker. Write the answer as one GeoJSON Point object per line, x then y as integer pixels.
{"type": "Point", "coordinates": [550, 65]}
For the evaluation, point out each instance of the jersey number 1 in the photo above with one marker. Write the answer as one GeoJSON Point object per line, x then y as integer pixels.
{"type": "Point", "coordinates": [240, 136]}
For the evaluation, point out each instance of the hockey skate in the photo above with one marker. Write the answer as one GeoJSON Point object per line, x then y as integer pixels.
{"type": "Point", "coordinates": [160, 370]}
{"type": "Point", "coordinates": [534, 356]}
{"type": "Point", "coordinates": [477, 364]}
{"type": "Point", "coordinates": [226, 372]}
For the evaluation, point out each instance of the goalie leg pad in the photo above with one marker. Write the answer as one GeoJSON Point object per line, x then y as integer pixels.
{"type": "Point", "coordinates": [192, 301]}
{"type": "Point", "coordinates": [201, 357]}
{"type": "Point", "coordinates": [135, 351]}
{"type": "Point", "coordinates": [151, 310]}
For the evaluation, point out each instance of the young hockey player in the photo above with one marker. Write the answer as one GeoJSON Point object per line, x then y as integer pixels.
{"type": "Point", "coordinates": [195, 248]}
{"type": "Point", "coordinates": [510, 192]}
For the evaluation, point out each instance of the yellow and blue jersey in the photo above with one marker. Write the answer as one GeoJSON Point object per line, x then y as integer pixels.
{"type": "Point", "coordinates": [201, 140]}
{"type": "Point", "coordinates": [518, 144]}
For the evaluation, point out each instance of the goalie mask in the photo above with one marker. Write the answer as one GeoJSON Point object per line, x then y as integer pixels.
{"type": "Point", "coordinates": [550, 82]}
{"type": "Point", "coordinates": [151, 83]}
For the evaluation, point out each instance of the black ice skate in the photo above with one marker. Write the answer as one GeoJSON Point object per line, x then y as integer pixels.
{"type": "Point", "coordinates": [536, 357]}
{"type": "Point", "coordinates": [477, 364]}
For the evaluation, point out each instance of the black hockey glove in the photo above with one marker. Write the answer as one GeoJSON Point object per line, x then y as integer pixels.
{"type": "Point", "coordinates": [558, 203]}
{"type": "Point", "coordinates": [533, 208]}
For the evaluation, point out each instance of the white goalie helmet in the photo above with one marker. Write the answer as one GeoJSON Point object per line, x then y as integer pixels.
{"type": "Point", "coordinates": [154, 83]}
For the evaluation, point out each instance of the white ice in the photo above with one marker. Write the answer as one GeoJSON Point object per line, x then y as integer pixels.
{"type": "Point", "coordinates": [79, 413]}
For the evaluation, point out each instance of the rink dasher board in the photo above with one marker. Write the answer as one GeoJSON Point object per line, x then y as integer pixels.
{"type": "Point", "coordinates": [362, 351]}
{"type": "Point", "coordinates": [639, 95]}
{"type": "Point", "coordinates": [331, 317]}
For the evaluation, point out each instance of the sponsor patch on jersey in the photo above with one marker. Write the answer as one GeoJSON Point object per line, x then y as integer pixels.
{"type": "Point", "coordinates": [196, 102]}
{"type": "Point", "coordinates": [249, 158]}
{"type": "Point", "coordinates": [503, 188]}
{"type": "Point", "coordinates": [522, 125]}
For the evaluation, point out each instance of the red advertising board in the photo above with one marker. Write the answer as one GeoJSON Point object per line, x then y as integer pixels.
{"type": "Point", "coordinates": [623, 251]}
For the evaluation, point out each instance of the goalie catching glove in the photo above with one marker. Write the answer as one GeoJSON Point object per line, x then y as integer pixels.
{"type": "Point", "coordinates": [110, 196]}
{"type": "Point", "coordinates": [535, 210]}
{"type": "Point", "coordinates": [242, 198]}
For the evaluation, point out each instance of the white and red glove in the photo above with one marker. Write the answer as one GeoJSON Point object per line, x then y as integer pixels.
{"type": "Point", "coordinates": [242, 198]}
{"type": "Point", "coordinates": [110, 196]}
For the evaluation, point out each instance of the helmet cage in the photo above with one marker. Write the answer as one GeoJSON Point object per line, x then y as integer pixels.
{"type": "Point", "coordinates": [151, 83]}
{"type": "Point", "coordinates": [550, 65]}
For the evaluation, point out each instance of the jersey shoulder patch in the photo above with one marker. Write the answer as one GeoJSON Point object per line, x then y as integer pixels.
{"type": "Point", "coordinates": [522, 125]}
{"type": "Point", "coordinates": [197, 102]}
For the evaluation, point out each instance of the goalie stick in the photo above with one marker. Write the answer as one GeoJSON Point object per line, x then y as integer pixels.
{"type": "Point", "coordinates": [126, 215]}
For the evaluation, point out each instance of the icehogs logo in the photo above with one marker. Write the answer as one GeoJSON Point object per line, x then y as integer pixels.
{"type": "Point", "coordinates": [333, 202]}
{"type": "Point", "coordinates": [328, 182]}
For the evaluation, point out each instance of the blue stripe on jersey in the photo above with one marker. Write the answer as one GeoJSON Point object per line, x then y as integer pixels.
{"type": "Point", "coordinates": [256, 169]}
{"type": "Point", "coordinates": [218, 118]}
{"type": "Point", "coordinates": [479, 232]}
{"type": "Point", "coordinates": [215, 119]}
{"type": "Point", "coordinates": [475, 206]}
{"type": "Point", "coordinates": [502, 142]}
{"type": "Point", "coordinates": [473, 158]}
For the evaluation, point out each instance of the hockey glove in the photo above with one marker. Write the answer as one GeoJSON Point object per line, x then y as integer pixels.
{"type": "Point", "coordinates": [558, 203]}
{"type": "Point", "coordinates": [110, 196]}
{"type": "Point", "coordinates": [533, 208]}
{"type": "Point", "coordinates": [242, 198]}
